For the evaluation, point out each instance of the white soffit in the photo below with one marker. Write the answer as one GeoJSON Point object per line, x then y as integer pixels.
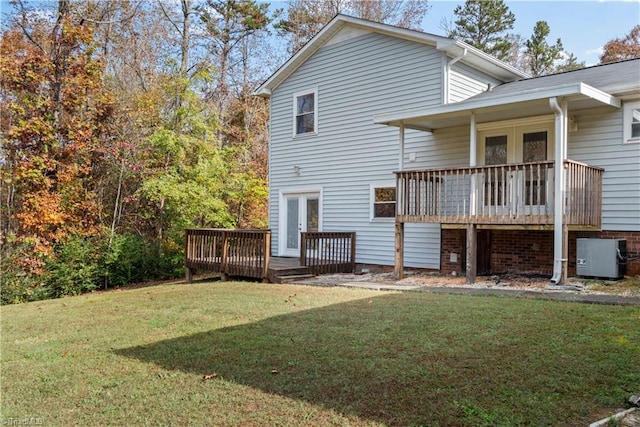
{"type": "Point", "coordinates": [489, 108]}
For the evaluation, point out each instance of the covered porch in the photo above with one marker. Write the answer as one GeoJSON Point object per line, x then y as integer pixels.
{"type": "Point", "coordinates": [546, 191]}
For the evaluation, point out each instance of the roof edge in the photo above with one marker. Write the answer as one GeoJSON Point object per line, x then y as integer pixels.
{"type": "Point", "coordinates": [566, 90]}
{"type": "Point", "coordinates": [475, 57]}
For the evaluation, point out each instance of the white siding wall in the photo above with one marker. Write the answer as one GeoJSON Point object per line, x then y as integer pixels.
{"type": "Point", "coordinates": [464, 82]}
{"type": "Point", "coordinates": [356, 79]}
{"type": "Point", "coordinates": [598, 142]}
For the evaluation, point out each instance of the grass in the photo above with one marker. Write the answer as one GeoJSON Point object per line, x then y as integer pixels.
{"type": "Point", "coordinates": [292, 355]}
{"type": "Point", "coordinates": [629, 286]}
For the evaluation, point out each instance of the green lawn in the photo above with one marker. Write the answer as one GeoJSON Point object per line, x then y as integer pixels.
{"type": "Point", "coordinates": [294, 355]}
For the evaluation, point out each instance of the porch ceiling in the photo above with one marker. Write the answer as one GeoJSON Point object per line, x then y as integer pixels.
{"type": "Point", "coordinates": [488, 107]}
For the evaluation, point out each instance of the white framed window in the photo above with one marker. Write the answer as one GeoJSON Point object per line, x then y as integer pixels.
{"type": "Point", "coordinates": [383, 201]}
{"type": "Point", "coordinates": [305, 112]}
{"type": "Point", "coordinates": [631, 122]}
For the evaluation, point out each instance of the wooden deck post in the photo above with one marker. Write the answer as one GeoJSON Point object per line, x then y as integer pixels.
{"type": "Point", "coordinates": [303, 248]}
{"type": "Point", "coordinates": [399, 260]}
{"type": "Point", "coordinates": [188, 255]}
{"type": "Point", "coordinates": [353, 252]}
{"type": "Point", "coordinates": [472, 247]}
{"type": "Point", "coordinates": [225, 256]}
{"type": "Point", "coordinates": [267, 256]}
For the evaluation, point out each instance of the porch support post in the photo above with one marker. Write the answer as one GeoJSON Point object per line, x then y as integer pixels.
{"type": "Point", "coordinates": [399, 261]}
{"type": "Point", "coordinates": [401, 139]}
{"type": "Point", "coordinates": [473, 147]}
{"type": "Point", "coordinates": [560, 234]}
{"type": "Point", "coordinates": [472, 246]}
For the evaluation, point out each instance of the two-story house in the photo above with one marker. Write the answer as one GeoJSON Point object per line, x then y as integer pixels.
{"type": "Point", "coordinates": [440, 156]}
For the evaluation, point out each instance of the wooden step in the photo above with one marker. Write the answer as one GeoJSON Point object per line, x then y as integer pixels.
{"type": "Point", "coordinates": [293, 278]}
{"type": "Point", "coordinates": [274, 273]}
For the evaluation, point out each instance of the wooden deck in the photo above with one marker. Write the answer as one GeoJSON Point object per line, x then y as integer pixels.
{"type": "Point", "coordinates": [518, 195]}
{"type": "Point", "coordinates": [245, 253]}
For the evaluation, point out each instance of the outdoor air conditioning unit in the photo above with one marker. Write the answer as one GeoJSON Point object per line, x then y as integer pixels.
{"type": "Point", "coordinates": [603, 258]}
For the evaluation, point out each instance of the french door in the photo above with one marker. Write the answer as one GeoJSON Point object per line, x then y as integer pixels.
{"type": "Point", "coordinates": [510, 189]}
{"type": "Point", "coordinates": [301, 213]}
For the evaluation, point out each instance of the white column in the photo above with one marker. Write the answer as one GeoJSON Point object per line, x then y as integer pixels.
{"type": "Point", "coordinates": [473, 156]}
{"type": "Point", "coordinates": [473, 146]}
{"type": "Point", "coordinates": [401, 159]}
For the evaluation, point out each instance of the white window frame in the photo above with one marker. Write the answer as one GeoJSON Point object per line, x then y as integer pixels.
{"type": "Point", "coordinates": [296, 95]}
{"type": "Point", "coordinates": [372, 200]}
{"type": "Point", "coordinates": [627, 119]}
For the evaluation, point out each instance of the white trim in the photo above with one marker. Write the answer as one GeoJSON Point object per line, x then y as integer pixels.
{"type": "Point", "coordinates": [627, 120]}
{"type": "Point", "coordinates": [296, 95]}
{"type": "Point", "coordinates": [372, 198]}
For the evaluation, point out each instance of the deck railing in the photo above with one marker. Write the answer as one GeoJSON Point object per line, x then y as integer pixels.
{"type": "Point", "coordinates": [233, 252]}
{"type": "Point", "coordinates": [510, 194]}
{"type": "Point", "coordinates": [328, 252]}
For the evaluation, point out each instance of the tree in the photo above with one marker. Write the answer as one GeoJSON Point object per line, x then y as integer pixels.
{"type": "Point", "coordinates": [305, 18]}
{"type": "Point", "coordinates": [56, 118]}
{"type": "Point", "coordinates": [569, 62]}
{"type": "Point", "coordinates": [484, 25]}
{"type": "Point", "coordinates": [404, 14]}
{"type": "Point", "coordinates": [543, 58]}
{"type": "Point", "coordinates": [620, 49]}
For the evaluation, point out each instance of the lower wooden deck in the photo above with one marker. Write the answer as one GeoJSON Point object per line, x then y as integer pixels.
{"type": "Point", "coordinates": [246, 253]}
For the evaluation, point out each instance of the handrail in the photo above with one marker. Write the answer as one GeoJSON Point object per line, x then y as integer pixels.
{"type": "Point", "coordinates": [233, 252]}
{"type": "Point", "coordinates": [328, 252]}
{"type": "Point", "coordinates": [509, 194]}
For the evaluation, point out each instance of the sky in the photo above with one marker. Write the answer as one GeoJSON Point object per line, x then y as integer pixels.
{"type": "Point", "coordinates": [583, 26]}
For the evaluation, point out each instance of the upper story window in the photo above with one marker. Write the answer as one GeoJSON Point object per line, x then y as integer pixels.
{"type": "Point", "coordinates": [305, 112]}
{"type": "Point", "coordinates": [631, 122]}
{"type": "Point", "coordinates": [383, 202]}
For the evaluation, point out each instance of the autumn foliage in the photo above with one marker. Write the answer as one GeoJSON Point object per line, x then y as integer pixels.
{"type": "Point", "coordinates": [620, 49]}
{"type": "Point", "coordinates": [108, 154]}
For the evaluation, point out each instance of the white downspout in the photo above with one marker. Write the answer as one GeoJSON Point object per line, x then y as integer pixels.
{"type": "Point", "coordinates": [560, 110]}
{"type": "Point", "coordinates": [448, 72]}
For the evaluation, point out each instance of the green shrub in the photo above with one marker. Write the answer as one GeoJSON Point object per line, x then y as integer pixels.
{"type": "Point", "coordinates": [129, 259]}
{"type": "Point", "coordinates": [75, 268]}
{"type": "Point", "coordinates": [83, 264]}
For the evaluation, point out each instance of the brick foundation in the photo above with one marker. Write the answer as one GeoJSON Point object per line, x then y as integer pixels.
{"type": "Point", "coordinates": [452, 242]}
{"type": "Point", "coordinates": [527, 251]}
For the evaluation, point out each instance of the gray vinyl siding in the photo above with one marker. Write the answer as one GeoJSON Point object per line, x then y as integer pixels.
{"type": "Point", "coordinates": [599, 142]}
{"type": "Point", "coordinates": [464, 82]}
{"type": "Point", "coordinates": [355, 79]}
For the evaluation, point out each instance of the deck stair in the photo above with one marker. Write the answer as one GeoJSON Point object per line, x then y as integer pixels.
{"type": "Point", "coordinates": [283, 270]}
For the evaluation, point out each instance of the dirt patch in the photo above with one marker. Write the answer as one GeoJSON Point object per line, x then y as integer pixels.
{"type": "Point", "coordinates": [627, 287]}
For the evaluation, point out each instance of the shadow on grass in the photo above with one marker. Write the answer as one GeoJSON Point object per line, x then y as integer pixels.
{"type": "Point", "coordinates": [418, 360]}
